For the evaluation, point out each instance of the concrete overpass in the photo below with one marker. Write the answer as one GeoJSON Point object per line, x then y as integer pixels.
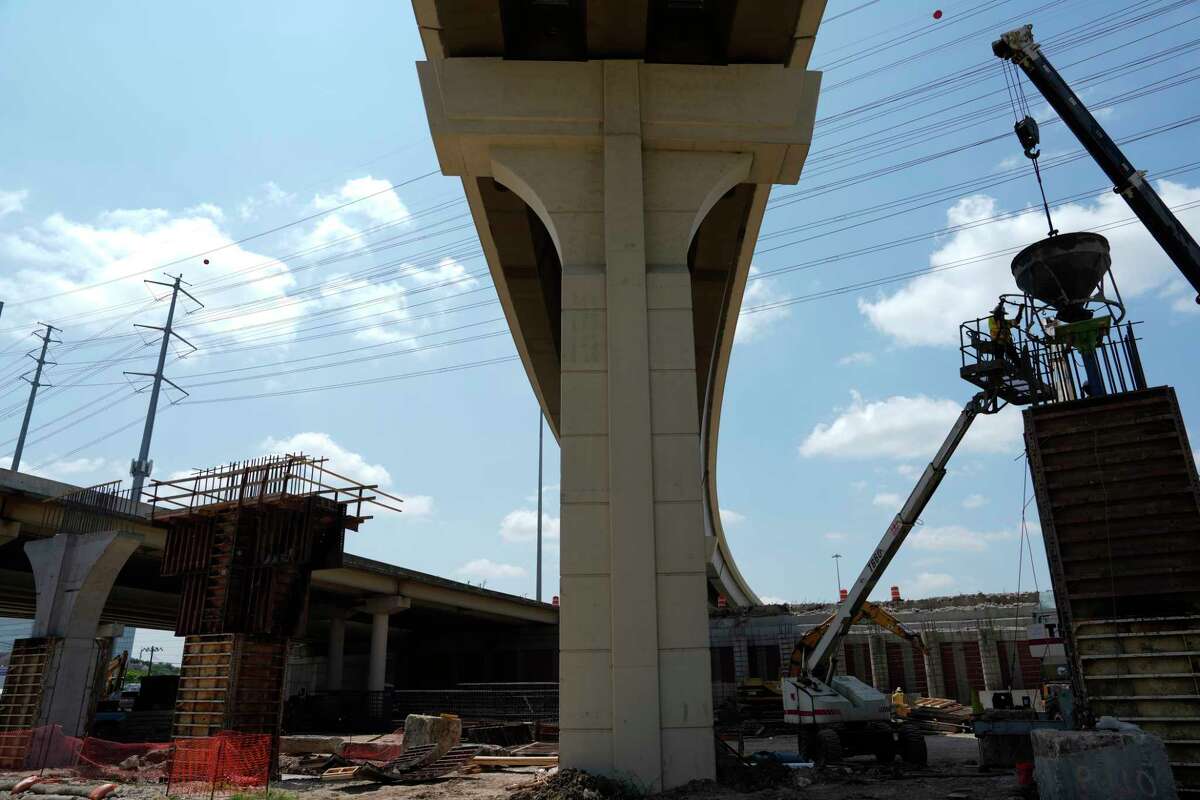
{"type": "Point", "coordinates": [359, 602]}
{"type": "Point", "coordinates": [617, 158]}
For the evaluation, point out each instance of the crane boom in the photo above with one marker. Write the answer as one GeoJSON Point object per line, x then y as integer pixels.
{"type": "Point", "coordinates": [849, 608]}
{"type": "Point", "coordinates": [1019, 47]}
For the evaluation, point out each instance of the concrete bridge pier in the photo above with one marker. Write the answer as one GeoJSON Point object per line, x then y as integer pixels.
{"type": "Point", "coordinates": [617, 168]}
{"type": "Point", "coordinates": [74, 574]}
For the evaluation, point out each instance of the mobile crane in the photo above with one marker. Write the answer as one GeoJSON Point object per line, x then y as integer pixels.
{"type": "Point", "coordinates": [1019, 47]}
{"type": "Point", "coordinates": [840, 714]}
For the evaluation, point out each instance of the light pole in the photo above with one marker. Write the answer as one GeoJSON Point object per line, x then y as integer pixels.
{"type": "Point", "coordinates": [838, 569]}
{"type": "Point", "coordinates": [541, 427]}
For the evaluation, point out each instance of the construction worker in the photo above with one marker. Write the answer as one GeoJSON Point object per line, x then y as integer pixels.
{"type": "Point", "coordinates": [1000, 330]}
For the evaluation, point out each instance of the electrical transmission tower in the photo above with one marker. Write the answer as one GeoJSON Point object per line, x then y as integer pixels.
{"type": "Point", "coordinates": [141, 466]}
{"type": "Point", "coordinates": [47, 338]}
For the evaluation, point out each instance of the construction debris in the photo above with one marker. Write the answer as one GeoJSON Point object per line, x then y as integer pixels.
{"type": "Point", "coordinates": [939, 715]}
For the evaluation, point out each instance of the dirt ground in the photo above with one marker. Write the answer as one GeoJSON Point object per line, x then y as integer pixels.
{"type": "Point", "coordinates": [952, 773]}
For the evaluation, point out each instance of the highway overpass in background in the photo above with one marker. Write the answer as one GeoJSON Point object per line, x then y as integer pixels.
{"type": "Point", "coordinates": [617, 157]}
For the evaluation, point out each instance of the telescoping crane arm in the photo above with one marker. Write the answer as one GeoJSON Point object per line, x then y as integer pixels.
{"type": "Point", "coordinates": [877, 614]}
{"type": "Point", "coordinates": [1019, 47]}
{"type": "Point", "coordinates": [849, 608]}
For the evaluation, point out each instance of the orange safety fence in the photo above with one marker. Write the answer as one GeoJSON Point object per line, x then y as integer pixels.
{"type": "Point", "coordinates": [227, 762]}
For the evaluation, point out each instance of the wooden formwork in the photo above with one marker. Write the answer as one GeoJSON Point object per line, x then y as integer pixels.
{"type": "Point", "coordinates": [22, 697]}
{"type": "Point", "coordinates": [230, 682]}
{"type": "Point", "coordinates": [1119, 502]}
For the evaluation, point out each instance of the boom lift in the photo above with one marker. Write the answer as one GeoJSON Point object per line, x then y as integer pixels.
{"type": "Point", "coordinates": [841, 714]}
{"type": "Point", "coordinates": [1019, 47]}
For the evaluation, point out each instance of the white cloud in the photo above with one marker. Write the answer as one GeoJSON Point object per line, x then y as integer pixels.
{"type": "Point", "coordinates": [907, 471]}
{"type": "Point", "coordinates": [109, 256]}
{"type": "Point", "coordinates": [388, 300]}
{"type": "Point", "coordinates": [272, 196]}
{"type": "Point", "coordinates": [886, 500]}
{"type": "Point", "coordinates": [974, 501]}
{"type": "Point", "coordinates": [955, 537]}
{"type": "Point", "coordinates": [378, 205]}
{"type": "Point", "coordinates": [835, 536]}
{"type": "Point", "coordinates": [70, 470]}
{"type": "Point", "coordinates": [929, 309]}
{"type": "Point", "coordinates": [489, 570]}
{"type": "Point", "coordinates": [731, 517]}
{"type": "Point", "coordinates": [417, 505]}
{"type": "Point", "coordinates": [906, 427]}
{"type": "Point", "coordinates": [521, 526]}
{"type": "Point", "coordinates": [863, 358]}
{"type": "Point", "coordinates": [341, 460]}
{"type": "Point", "coordinates": [929, 583]}
{"type": "Point", "coordinates": [751, 326]}
{"type": "Point", "coordinates": [772, 601]}
{"type": "Point", "coordinates": [12, 201]}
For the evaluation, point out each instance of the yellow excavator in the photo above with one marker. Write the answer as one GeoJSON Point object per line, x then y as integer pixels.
{"type": "Point", "coordinates": [869, 612]}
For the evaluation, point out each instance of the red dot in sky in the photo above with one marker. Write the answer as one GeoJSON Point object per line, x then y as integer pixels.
{"type": "Point", "coordinates": [937, 14]}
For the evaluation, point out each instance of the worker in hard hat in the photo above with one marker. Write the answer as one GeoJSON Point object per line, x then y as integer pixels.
{"type": "Point", "coordinates": [1000, 329]}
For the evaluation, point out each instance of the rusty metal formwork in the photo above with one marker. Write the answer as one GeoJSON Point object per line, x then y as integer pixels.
{"type": "Point", "coordinates": [244, 538]}
{"type": "Point", "coordinates": [1119, 502]}
{"type": "Point", "coordinates": [21, 700]}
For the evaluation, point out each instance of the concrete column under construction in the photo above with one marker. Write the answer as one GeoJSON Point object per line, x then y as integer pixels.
{"type": "Point", "coordinates": [73, 575]}
{"type": "Point", "coordinates": [621, 161]}
{"type": "Point", "coordinates": [989, 658]}
{"type": "Point", "coordinates": [877, 647]}
{"type": "Point", "coordinates": [935, 677]}
{"type": "Point", "coordinates": [337, 651]}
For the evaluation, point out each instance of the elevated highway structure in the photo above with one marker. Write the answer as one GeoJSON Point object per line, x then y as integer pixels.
{"type": "Point", "coordinates": [617, 158]}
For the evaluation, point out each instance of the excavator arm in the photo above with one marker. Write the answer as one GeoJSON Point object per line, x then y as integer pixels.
{"type": "Point", "coordinates": [877, 614]}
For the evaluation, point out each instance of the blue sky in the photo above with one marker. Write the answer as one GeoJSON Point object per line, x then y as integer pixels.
{"type": "Point", "coordinates": [142, 133]}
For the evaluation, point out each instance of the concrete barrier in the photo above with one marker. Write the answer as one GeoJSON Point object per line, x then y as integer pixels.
{"type": "Point", "coordinates": [1099, 765]}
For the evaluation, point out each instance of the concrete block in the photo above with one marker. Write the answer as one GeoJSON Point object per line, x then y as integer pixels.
{"type": "Point", "coordinates": [1101, 764]}
{"type": "Point", "coordinates": [580, 236]}
{"type": "Point", "coordinates": [584, 469]}
{"type": "Point", "coordinates": [678, 537]}
{"type": "Point", "coordinates": [584, 615]}
{"type": "Point", "coordinates": [682, 610]}
{"type": "Point", "coordinates": [302, 745]}
{"type": "Point", "coordinates": [443, 733]}
{"type": "Point", "coordinates": [668, 235]}
{"type": "Point", "coordinates": [584, 403]}
{"type": "Point", "coordinates": [584, 543]}
{"type": "Point", "coordinates": [686, 687]}
{"type": "Point", "coordinates": [673, 402]}
{"type": "Point", "coordinates": [586, 690]}
{"type": "Point", "coordinates": [671, 343]}
{"type": "Point", "coordinates": [677, 468]}
{"type": "Point", "coordinates": [584, 340]}
{"type": "Point", "coordinates": [687, 755]}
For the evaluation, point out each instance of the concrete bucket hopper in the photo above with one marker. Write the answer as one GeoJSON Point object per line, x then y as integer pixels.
{"type": "Point", "coordinates": [1063, 271]}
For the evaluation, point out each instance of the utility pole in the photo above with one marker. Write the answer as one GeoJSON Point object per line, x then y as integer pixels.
{"type": "Point", "coordinates": [46, 338]}
{"type": "Point", "coordinates": [141, 466]}
{"type": "Point", "coordinates": [541, 427]}
{"type": "Point", "coordinates": [150, 666]}
{"type": "Point", "coordinates": [838, 569]}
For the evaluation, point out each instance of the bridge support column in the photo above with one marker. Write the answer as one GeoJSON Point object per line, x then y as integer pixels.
{"type": "Point", "coordinates": [935, 676]}
{"type": "Point", "coordinates": [877, 648]}
{"type": "Point", "coordinates": [989, 657]}
{"type": "Point", "coordinates": [74, 574]}
{"type": "Point", "coordinates": [618, 163]}
{"type": "Point", "coordinates": [336, 654]}
{"type": "Point", "coordinates": [380, 610]}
